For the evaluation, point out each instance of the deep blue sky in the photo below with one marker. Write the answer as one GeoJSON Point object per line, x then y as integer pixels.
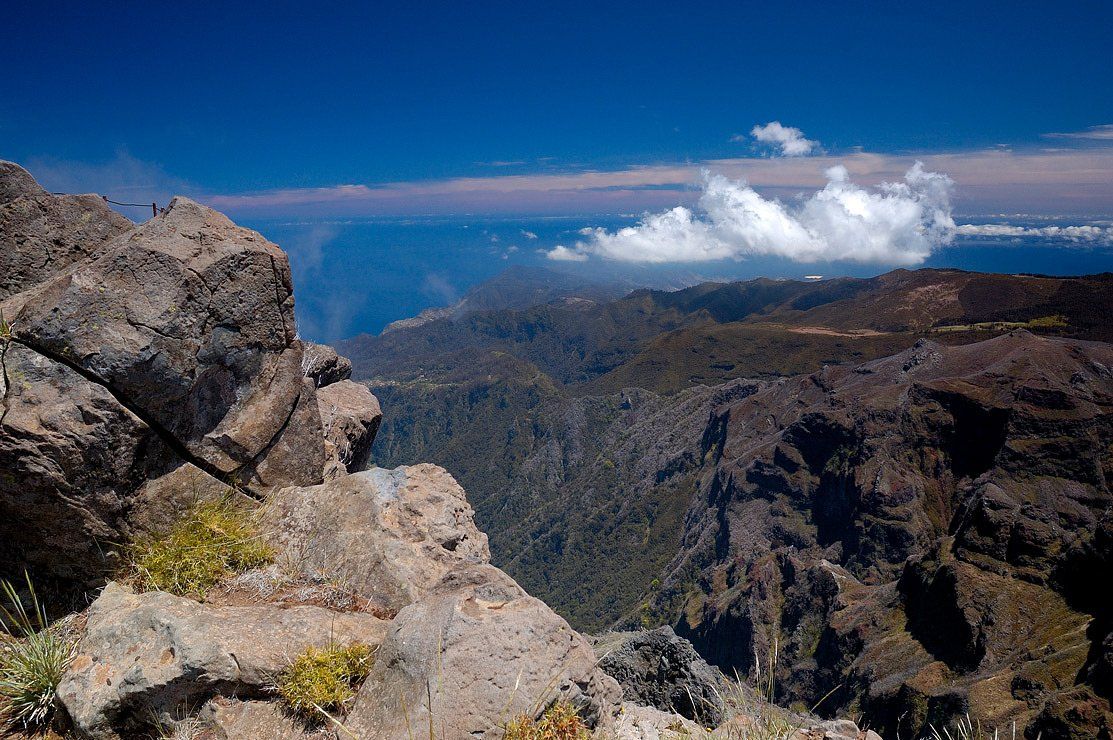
{"type": "Point", "coordinates": [234, 97]}
{"type": "Point", "coordinates": [305, 119]}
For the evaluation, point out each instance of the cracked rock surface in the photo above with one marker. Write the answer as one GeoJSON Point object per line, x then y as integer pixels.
{"type": "Point", "coordinates": [136, 351]}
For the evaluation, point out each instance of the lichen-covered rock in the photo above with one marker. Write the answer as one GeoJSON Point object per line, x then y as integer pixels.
{"type": "Point", "coordinates": [145, 658]}
{"type": "Point", "coordinates": [387, 535]}
{"type": "Point", "coordinates": [658, 669]}
{"type": "Point", "coordinates": [42, 234]}
{"type": "Point", "coordinates": [476, 652]}
{"type": "Point", "coordinates": [350, 417]}
{"type": "Point", "coordinates": [839, 729]}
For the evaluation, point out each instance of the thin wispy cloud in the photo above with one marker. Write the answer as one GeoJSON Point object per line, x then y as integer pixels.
{"type": "Point", "coordinates": [787, 141]}
{"type": "Point", "coordinates": [438, 289]}
{"type": "Point", "coordinates": [989, 180]}
{"type": "Point", "coordinates": [895, 223]}
{"type": "Point", "coordinates": [1065, 180]}
{"type": "Point", "coordinates": [1103, 132]}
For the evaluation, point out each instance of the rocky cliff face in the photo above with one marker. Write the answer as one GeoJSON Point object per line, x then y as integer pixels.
{"type": "Point", "coordinates": [146, 368]}
{"type": "Point", "coordinates": [929, 533]}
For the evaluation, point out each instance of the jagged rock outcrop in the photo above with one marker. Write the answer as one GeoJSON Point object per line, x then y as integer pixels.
{"type": "Point", "coordinates": [924, 531]}
{"type": "Point", "coordinates": [145, 658]}
{"type": "Point", "coordinates": [386, 535]}
{"type": "Point", "coordinates": [475, 653]}
{"type": "Point", "coordinates": [658, 669]}
{"type": "Point", "coordinates": [131, 352]}
{"type": "Point", "coordinates": [189, 320]}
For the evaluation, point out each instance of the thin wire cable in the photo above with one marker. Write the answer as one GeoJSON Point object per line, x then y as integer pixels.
{"type": "Point", "coordinates": [118, 203]}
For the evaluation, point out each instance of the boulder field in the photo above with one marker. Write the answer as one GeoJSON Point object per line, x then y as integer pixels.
{"type": "Point", "coordinates": [145, 367]}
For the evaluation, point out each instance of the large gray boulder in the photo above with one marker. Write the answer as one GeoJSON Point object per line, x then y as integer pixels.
{"type": "Point", "coordinates": [188, 319]}
{"type": "Point", "coordinates": [146, 658]}
{"type": "Point", "coordinates": [386, 535]}
{"type": "Point", "coordinates": [475, 653]}
{"type": "Point", "coordinates": [138, 354]}
{"type": "Point", "coordinates": [41, 234]}
{"type": "Point", "coordinates": [658, 669]}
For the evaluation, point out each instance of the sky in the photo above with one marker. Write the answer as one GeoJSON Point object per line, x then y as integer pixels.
{"type": "Point", "coordinates": [658, 142]}
{"type": "Point", "coordinates": [331, 109]}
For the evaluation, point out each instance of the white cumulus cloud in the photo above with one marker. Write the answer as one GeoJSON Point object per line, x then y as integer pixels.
{"type": "Point", "coordinates": [896, 223]}
{"type": "Point", "coordinates": [561, 253]}
{"type": "Point", "coordinates": [788, 139]}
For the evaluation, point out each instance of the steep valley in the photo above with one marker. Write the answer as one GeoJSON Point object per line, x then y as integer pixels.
{"type": "Point", "coordinates": [858, 474]}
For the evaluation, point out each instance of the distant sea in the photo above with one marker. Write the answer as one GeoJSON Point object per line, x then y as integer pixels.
{"type": "Point", "coordinates": [356, 276]}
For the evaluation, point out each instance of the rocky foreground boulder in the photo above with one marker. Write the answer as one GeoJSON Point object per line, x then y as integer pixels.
{"type": "Point", "coordinates": [144, 369]}
{"type": "Point", "coordinates": [133, 352]}
{"type": "Point", "coordinates": [917, 538]}
{"type": "Point", "coordinates": [145, 657]}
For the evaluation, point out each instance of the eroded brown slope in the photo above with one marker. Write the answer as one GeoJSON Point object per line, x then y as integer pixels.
{"type": "Point", "coordinates": [929, 532]}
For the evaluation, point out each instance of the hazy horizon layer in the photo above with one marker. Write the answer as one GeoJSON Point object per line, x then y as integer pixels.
{"type": "Point", "coordinates": [355, 276]}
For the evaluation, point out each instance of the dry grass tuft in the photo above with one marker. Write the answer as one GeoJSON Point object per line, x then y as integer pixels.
{"type": "Point", "coordinates": [216, 540]}
{"type": "Point", "coordinates": [559, 722]}
{"type": "Point", "coordinates": [324, 680]}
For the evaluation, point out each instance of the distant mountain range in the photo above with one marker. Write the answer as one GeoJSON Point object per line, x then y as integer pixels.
{"type": "Point", "coordinates": [646, 460]}
{"type": "Point", "coordinates": [517, 287]}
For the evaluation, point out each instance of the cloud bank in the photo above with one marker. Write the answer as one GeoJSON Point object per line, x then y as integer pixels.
{"type": "Point", "coordinates": [1085, 234]}
{"type": "Point", "coordinates": [788, 139]}
{"type": "Point", "coordinates": [897, 223]}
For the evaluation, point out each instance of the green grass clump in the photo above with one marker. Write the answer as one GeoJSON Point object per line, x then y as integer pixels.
{"type": "Point", "coordinates": [33, 657]}
{"type": "Point", "coordinates": [216, 540]}
{"type": "Point", "coordinates": [324, 680]}
{"type": "Point", "coordinates": [559, 722]}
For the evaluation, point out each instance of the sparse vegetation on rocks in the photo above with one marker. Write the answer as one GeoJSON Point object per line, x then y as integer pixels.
{"type": "Point", "coordinates": [216, 540]}
{"type": "Point", "coordinates": [33, 656]}
{"type": "Point", "coordinates": [323, 680]}
{"type": "Point", "coordinates": [559, 722]}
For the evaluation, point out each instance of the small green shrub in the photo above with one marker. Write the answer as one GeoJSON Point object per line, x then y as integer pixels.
{"type": "Point", "coordinates": [216, 540]}
{"type": "Point", "coordinates": [559, 722]}
{"type": "Point", "coordinates": [323, 680]}
{"type": "Point", "coordinates": [33, 657]}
